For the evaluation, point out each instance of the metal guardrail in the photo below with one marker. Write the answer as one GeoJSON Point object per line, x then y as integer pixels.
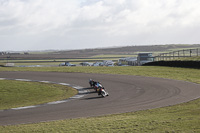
{"type": "Point", "coordinates": [178, 54]}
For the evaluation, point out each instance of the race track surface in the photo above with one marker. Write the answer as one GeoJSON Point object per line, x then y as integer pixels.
{"type": "Point", "coordinates": [127, 93]}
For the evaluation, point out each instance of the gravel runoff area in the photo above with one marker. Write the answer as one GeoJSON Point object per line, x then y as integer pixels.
{"type": "Point", "coordinates": [127, 94]}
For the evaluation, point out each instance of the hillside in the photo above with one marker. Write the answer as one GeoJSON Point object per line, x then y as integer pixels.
{"type": "Point", "coordinates": [87, 53]}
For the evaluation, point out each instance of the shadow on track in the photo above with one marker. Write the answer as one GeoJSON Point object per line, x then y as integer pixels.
{"type": "Point", "coordinates": [90, 98]}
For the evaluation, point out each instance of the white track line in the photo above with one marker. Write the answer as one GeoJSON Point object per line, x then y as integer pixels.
{"type": "Point", "coordinates": [26, 107]}
{"type": "Point", "coordinates": [22, 79]}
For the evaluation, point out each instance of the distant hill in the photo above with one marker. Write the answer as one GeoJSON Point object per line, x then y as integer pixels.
{"type": "Point", "coordinates": [129, 50]}
{"type": "Point", "coordinates": [86, 53]}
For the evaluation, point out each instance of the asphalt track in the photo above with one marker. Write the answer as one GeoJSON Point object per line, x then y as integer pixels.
{"type": "Point", "coordinates": [127, 94]}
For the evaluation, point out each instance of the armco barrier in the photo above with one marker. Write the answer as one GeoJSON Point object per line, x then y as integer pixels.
{"type": "Point", "coordinates": [185, 64]}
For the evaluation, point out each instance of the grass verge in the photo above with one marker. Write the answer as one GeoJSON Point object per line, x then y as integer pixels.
{"type": "Point", "coordinates": [185, 74]}
{"type": "Point", "coordinates": [183, 118]}
{"type": "Point", "coordinates": [179, 118]}
{"type": "Point", "coordinates": [18, 94]}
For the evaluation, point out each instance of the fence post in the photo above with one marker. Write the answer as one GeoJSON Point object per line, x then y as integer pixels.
{"type": "Point", "coordinates": [169, 56]}
{"type": "Point", "coordinates": [178, 54]}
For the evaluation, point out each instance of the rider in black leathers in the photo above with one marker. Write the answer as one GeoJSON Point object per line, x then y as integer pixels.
{"type": "Point", "coordinates": [92, 82]}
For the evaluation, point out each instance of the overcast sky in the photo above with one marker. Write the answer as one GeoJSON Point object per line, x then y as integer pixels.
{"type": "Point", "coordinates": [77, 24]}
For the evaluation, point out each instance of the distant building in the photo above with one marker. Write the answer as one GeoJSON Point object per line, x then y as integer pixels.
{"type": "Point", "coordinates": [141, 59]}
{"type": "Point", "coordinates": [132, 61]}
{"type": "Point", "coordinates": [145, 58]}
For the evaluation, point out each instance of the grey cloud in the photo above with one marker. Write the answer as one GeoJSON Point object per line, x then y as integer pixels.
{"type": "Point", "coordinates": [62, 24]}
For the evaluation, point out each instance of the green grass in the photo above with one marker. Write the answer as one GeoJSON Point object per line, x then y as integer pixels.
{"type": "Point", "coordinates": [183, 118]}
{"type": "Point", "coordinates": [113, 56]}
{"type": "Point", "coordinates": [18, 94]}
{"type": "Point", "coordinates": [44, 63]}
{"type": "Point", "coordinates": [185, 74]}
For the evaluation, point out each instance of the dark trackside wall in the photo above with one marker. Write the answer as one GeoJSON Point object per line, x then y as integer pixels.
{"type": "Point", "coordinates": [185, 64]}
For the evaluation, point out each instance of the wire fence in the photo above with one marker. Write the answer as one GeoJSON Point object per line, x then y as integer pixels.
{"type": "Point", "coordinates": [178, 54]}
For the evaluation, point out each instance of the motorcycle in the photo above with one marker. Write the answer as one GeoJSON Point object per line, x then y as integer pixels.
{"type": "Point", "coordinates": [98, 87]}
{"type": "Point", "coordinates": [103, 92]}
